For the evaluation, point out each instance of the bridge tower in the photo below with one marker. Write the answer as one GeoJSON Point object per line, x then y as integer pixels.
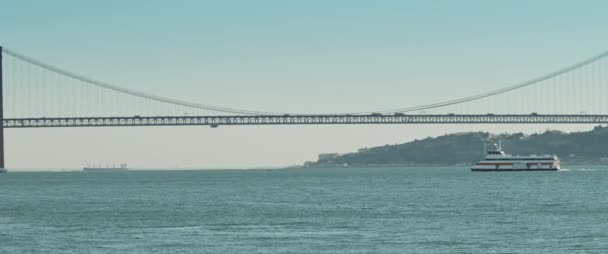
{"type": "Point", "coordinates": [1, 116]}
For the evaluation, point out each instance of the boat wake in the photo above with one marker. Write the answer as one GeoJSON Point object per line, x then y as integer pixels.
{"type": "Point", "coordinates": [577, 169]}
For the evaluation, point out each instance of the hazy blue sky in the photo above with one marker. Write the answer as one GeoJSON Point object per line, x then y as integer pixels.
{"type": "Point", "coordinates": [297, 56]}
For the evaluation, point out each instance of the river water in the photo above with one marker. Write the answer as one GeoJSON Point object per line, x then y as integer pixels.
{"type": "Point", "coordinates": [372, 210]}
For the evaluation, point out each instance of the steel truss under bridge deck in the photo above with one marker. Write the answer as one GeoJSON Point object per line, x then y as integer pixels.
{"type": "Point", "coordinates": [215, 121]}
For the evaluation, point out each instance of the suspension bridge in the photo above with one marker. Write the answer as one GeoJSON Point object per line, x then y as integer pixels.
{"type": "Point", "coordinates": [34, 94]}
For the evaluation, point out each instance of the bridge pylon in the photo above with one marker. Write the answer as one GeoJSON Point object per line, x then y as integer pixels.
{"type": "Point", "coordinates": [1, 117]}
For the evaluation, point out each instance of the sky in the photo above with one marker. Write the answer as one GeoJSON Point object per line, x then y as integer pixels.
{"type": "Point", "coordinates": [288, 56]}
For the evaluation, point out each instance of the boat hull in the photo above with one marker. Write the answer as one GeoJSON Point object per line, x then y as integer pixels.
{"type": "Point", "coordinates": [508, 169]}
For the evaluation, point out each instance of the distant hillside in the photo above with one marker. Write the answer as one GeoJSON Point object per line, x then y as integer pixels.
{"type": "Point", "coordinates": [466, 148]}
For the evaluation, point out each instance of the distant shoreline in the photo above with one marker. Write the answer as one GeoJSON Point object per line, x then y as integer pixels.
{"type": "Point", "coordinates": [426, 166]}
{"type": "Point", "coordinates": [259, 169]}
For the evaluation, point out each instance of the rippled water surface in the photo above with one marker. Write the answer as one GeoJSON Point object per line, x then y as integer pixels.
{"type": "Point", "coordinates": [407, 210]}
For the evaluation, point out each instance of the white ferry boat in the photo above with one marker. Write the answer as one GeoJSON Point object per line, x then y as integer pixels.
{"type": "Point", "coordinates": [497, 160]}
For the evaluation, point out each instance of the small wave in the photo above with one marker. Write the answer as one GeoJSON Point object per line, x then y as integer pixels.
{"type": "Point", "coordinates": [586, 169]}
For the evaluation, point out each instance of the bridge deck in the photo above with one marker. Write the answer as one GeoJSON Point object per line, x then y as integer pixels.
{"type": "Point", "coordinates": [215, 121]}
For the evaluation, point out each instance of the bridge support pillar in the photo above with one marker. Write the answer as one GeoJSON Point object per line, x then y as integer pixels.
{"type": "Point", "coordinates": [1, 117]}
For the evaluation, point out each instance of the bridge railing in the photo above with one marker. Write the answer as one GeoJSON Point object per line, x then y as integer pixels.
{"type": "Point", "coordinates": [216, 121]}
